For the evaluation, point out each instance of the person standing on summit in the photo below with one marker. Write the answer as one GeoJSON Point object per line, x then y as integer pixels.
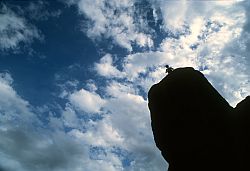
{"type": "Point", "coordinates": [168, 69]}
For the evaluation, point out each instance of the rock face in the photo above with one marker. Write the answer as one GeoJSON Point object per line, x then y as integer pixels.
{"type": "Point", "coordinates": [194, 126]}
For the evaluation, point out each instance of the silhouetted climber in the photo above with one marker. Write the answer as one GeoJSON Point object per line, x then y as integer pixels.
{"type": "Point", "coordinates": [168, 69]}
{"type": "Point", "coordinates": [194, 126]}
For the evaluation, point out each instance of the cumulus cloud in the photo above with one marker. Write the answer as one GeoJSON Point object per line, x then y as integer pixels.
{"type": "Point", "coordinates": [87, 101]}
{"type": "Point", "coordinates": [28, 144]}
{"type": "Point", "coordinates": [130, 118]}
{"type": "Point", "coordinates": [116, 20]}
{"type": "Point", "coordinates": [125, 125]}
{"type": "Point", "coordinates": [24, 144]}
{"type": "Point", "coordinates": [106, 67]}
{"type": "Point", "coordinates": [70, 118]}
{"type": "Point", "coordinates": [15, 30]}
{"type": "Point", "coordinates": [23, 150]}
{"type": "Point", "coordinates": [13, 107]}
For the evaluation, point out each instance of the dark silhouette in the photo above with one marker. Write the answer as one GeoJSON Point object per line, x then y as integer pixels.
{"type": "Point", "coordinates": [194, 126]}
{"type": "Point", "coordinates": [168, 69]}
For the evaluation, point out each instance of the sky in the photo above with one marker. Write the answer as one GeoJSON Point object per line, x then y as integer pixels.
{"type": "Point", "coordinates": [74, 75]}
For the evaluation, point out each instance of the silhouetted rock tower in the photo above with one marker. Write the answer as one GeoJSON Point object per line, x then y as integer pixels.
{"type": "Point", "coordinates": [194, 126]}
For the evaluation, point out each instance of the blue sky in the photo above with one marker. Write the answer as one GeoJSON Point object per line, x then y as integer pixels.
{"type": "Point", "coordinates": [74, 75]}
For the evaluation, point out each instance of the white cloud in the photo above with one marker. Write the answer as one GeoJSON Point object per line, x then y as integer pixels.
{"type": "Point", "coordinates": [91, 86]}
{"type": "Point", "coordinates": [116, 20]}
{"type": "Point", "coordinates": [26, 144]}
{"type": "Point", "coordinates": [99, 133]}
{"type": "Point", "coordinates": [106, 68]}
{"type": "Point", "coordinates": [130, 118]}
{"type": "Point", "coordinates": [70, 118]}
{"type": "Point", "coordinates": [12, 107]}
{"type": "Point", "coordinates": [15, 30]}
{"type": "Point", "coordinates": [125, 124]}
{"type": "Point", "coordinates": [23, 149]}
{"type": "Point", "coordinates": [86, 101]}
{"type": "Point", "coordinates": [174, 20]}
{"type": "Point", "coordinates": [39, 10]}
{"type": "Point", "coordinates": [129, 113]}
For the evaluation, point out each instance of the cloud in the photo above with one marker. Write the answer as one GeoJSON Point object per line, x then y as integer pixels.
{"type": "Point", "coordinates": [106, 67]}
{"type": "Point", "coordinates": [87, 101]}
{"type": "Point", "coordinates": [70, 118]}
{"type": "Point", "coordinates": [39, 10]}
{"type": "Point", "coordinates": [25, 145]}
{"type": "Point", "coordinates": [129, 114]}
{"type": "Point", "coordinates": [15, 30]}
{"type": "Point", "coordinates": [124, 125]}
{"type": "Point", "coordinates": [13, 107]}
{"type": "Point", "coordinates": [190, 10]}
{"type": "Point", "coordinates": [116, 20]}
{"type": "Point", "coordinates": [99, 133]}
{"type": "Point", "coordinates": [244, 44]}
{"type": "Point", "coordinates": [23, 150]}
{"type": "Point", "coordinates": [130, 117]}
{"type": "Point", "coordinates": [28, 144]}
